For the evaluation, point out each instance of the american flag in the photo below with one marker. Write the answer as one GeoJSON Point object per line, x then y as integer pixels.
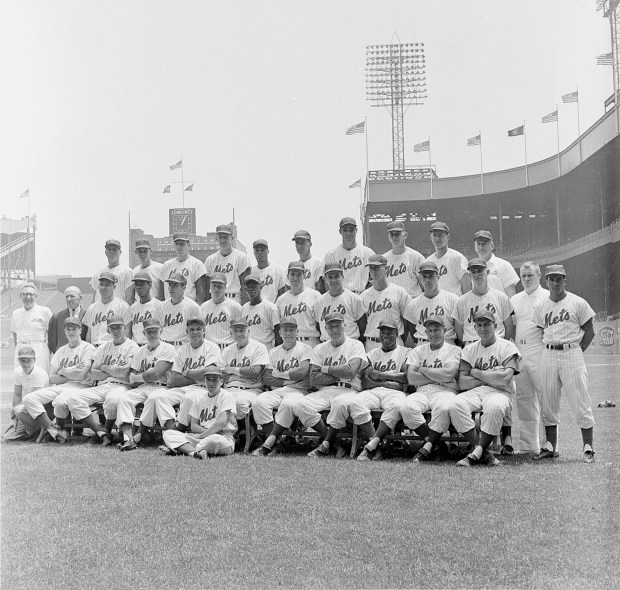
{"type": "Point", "coordinates": [356, 184]}
{"type": "Point", "coordinates": [516, 131]}
{"type": "Point", "coordinates": [551, 117]}
{"type": "Point", "coordinates": [425, 146]}
{"type": "Point", "coordinates": [476, 140]}
{"type": "Point", "coordinates": [605, 59]}
{"type": "Point", "coordinates": [177, 165]}
{"type": "Point", "coordinates": [571, 97]}
{"type": "Point", "coordinates": [167, 188]}
{"type": "Point", "coordinates": [358, 128]}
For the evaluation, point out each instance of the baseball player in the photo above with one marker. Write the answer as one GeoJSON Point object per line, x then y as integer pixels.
{"type": "Point", "coordinates": [383, 301]}
{"type": "Point", "coordinates": [29, 326]}
{"type": "Point", "coordinates": [502, 275]}
{"type": "Point", "coordinates": [242, 364]}
{"type": "Point", "coordinates": [144, 308]}
{"type": "Point", "coordinates": [452, 265]}
{"type": "Point", "coordinates": [213, 423]}
{"type": "Point", "coordinates": [187, 265]}
{"type": "Point", "coordinates": [175, 311]}
{"type": "Point", "coordinates": [299, 303]}
{"type": "Point", "coordinates": [287, 375]}
{"type": "Point", "coordinates": [123, 287]}
{"type": "Point", "coordinates": [351, 257]}
{"type": "Point", "coordinates": [152, 267]}
{"type": "Point", "coordinates": [335, 369]}
{"type": "Point", "coordinates": [28, 377]}
{"type": "Point", "coordinates": [218, 311]}
{"type": "Point", "coordinates": [340, 300]}
{"type": "Point", "coordinates": [486, 381]}
{"type": "Point", "coordinates": [111, 370]}
{"type": "Point", "coordinates": [481, 297]}
{"type": "Point", "coordinates": [99, 311]}
{"type": "Point", "coordinates": [433, 368]}
{"type": "Point", "coordinates": [70, 370]}
{"type": "Point", "coordinates": [271, 276]}
{"type": "Point", "coordinates": [56, 330]}
{"type": "Point", "coordinates": [528, 339]}
{"type": "Point", "coordinates": [313, 266]}
{"type": "Point", "coordinates": [261, 314]}
{"type": "Point", "coordinates": [403, 262]}
{"type": "Point", "coordinates": [234, 264]}
{"type": "Point", "coordinates": [566, 323]}
{"type": "Point", "coordinates": [149, 371]}
{"type": "Point", "coordinates": [434, 301]}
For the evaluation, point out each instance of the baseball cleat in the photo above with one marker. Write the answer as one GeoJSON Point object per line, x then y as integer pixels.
{"type": "Point", "coordinates": [507, 450]}
{"type": "Point", "coordinates": [197, 455]}
{"type": "Point", "coordinates": [277, 449]}
{"type": "Point", "coordinates": [128, 445]}
{"type": "Point", "coordinates": [470, 461]}
{"type": "Point", "coordinates": [94, 439]}
{"type": "Point", "coordinates": [489, 459]}
{"type": "Point", "coordinates": [164, 450]}
{"type": "Point", "coordinates": [588, 457]}
{"type": "Point", "coordinates": [262, 451]}
{"type": "Point", "coordinates": [365, 455]}
{"type": "Point", "coordinates": [421, 456]}
{"type": "Point", "coordinates": [106, 440]}
{"type": "Point", "coordinates": [340, 452]}
{"type": "Point", "coordinates": [545, 454]}
{"type": "Point", "coordinates": [62, 437]}
{"type": "Point", "coordinates": [319, 452]}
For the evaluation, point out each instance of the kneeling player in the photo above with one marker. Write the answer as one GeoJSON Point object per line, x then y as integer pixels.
{"type": "Point", "coordinates": [213, 423]}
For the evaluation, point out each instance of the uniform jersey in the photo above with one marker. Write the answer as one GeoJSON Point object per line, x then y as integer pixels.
{"type": "Point", "coordinates": [120, 356]}
{"type": "Point", "coordinates": [328, 355]}
{"type": "Point", "coordinates": [154, 271]}
{"type": "Point", "coordinates": [173, 319]}
{"type": "Point", "coordinates": [140, 312]}
{"type": "Point", "coordinates": [262, 320]}
{"type": "Point", "coordinates": [188, 358]}
{"type": "Point", "coordinates": [425, 356]}
{"type": "Point", "coordinates": [145, 359]}
{"type": "Point", "coordinates": [206, 410]}
{"type": "Point", "coordinates": [31, 325]}
{"type": "Point", "coordinates": [252, 354]}
{"type": "Point", "coordinates": [501, 273]}
{"type": "Point", "coordinates": [402, 269]}
{"type": "Point", "coordinates": [388, 304]}
{"type": "Point", "coordinates": [561, 321]}
{"type": "Point", "coordinates": [354, 264]}
{"type": "Point", "coordinates": [96, 318]}
{"type": "Point", "coordinates": [452, 266]}
{"type": "Point", "coordinates": [422, 306]}
{"type": "Point", "coordinates": [191, 268]}
{"type": "Point", "coordinates": [302, 308]}
{"type": "Point", "coordinates": [66, 357]}
{"type": "Point", "coordinates": [497, 302]}
{"type": "Point", "coordinates": [37, 379]}
{"type": "Point", "coordinates": [313, 271]}
{"type": "Point", "coordinates": [281, 361]}
{"type": "Point", "coordinates": [348, 304]}
{"type": "Point", "coordinates": [217, 317]}
{"type": "Point", "coordinates": [388, 362]}
{"type": "Point", "coordinates": [123, 274]}
{"type": "Point", "coordinates": [271, 281]}
{"type": "Point", "coordinates": [231, 266]}
{"type": "Point", "coordinates": [527, 332]}
{"type": "Point", "coordinates": [492, 357]}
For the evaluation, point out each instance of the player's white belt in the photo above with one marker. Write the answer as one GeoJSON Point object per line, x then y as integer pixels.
{"type": "Point", "coordinates": [231, 295]}
{"type": "Point", "coordinates": [529, 342]}
{"type": "Point", "coordinates": [342, 384]}
{"type": "Point", "coordinates": [306, 338]}
{"type": "Point", "coordinates": [561, 346]}
{"type": "Point", "coordinates": [223, 345]}
{"type": "Point", "coordinates": [244, 387]}
{"type": "Point", "coordinates": [31, 342]}
{"type": "Point", "coordinates": [175, 342]}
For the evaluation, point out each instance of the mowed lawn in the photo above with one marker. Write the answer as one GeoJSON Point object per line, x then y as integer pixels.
{"type": "Point", "coordinates": [85, 517]}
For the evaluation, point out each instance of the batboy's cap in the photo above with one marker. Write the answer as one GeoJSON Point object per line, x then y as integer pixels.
{"type": "Point", "coordinates": [25, 352]}
{"type": "Point", "coordinates": [555, 269]}
{"type": "Point", "coordinates": [440, 226]}
{"type": "Point", "coordinates": [73, 321]}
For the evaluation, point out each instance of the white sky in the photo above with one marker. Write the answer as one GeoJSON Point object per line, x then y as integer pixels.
{"type": "Point", "coordinates": [100, 98]}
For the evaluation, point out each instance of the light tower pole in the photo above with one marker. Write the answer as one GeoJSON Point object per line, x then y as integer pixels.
{"type": "Point", "coordinates": [395, 80]}
{"type": "Point", "coordinates": [611, 10]}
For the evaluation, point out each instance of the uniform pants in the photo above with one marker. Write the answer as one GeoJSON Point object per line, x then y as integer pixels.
{"type": "Point", "coordinates": [34, 401]}
{"type": "Point", "coordinates": [309, 409]}
{"type": "Point", "coordinates": [159, 405]}
{"type": "Point", "coordinates": [244, 398]}
{"type": "Point", "coordinates": [264, 405]}
{"type": "Point", "coordinates": [564, 372]}
{"type": "Point", "coordinates": [192, 392]}
{"type": "Point", "coordinates": [433, 398]}
{"type": "Point", "coordinates": [289, 408]}
{"type": "Point", "coordinates": [214, 444]}
{"type": "Point", "coordinates": [358, 406]}
{"type": "Point", "coordinates": [78, 402]}
{"type": "Point", "coordinates": [494, 403]}
{"type": "Point", "coordinates": [26, 425]}
{"type": "Point", "coordinates": [527, 399]}
{"type": "Point", "coordinates": [121, 405]}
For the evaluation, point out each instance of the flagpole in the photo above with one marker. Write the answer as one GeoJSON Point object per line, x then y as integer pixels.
{"type": "Point", "coordinates": [527, 181]}
{"type": "Point", "coordinates": [481, 173]}
{"type": "Point", "coordinates": [366, 134]}
{"type": "Point", "coordinates": [578, 126]}
{"type": "Point", "coordinates": [29, 238]}
{"type": "Point", "coordinates": [557, 131]}
{"type": "Point", "coordinates": [182, 184]}
{"type": "Point", "coordinates": [430, 163]}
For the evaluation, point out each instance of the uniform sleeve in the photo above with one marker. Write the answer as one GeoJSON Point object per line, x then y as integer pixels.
{"type": "Point", "coordinates": [47, 313]}
{"type": "Point", "coordinates": [506, 307]}
{"type": "Point", "coordinates": [194, 410]}
{"type": "Point", "coordinates": [584, 311]}
{"type": "Point", "coordinates": [94, 282]}
{"type": "Point", "coordinates": [468, 354]}
{"type": "Point", "coordinates": [454, 356]}
{"type": "Point", "coordinates": [413, 359]}
{"type": "Point", "coordinates": [177, 363]}
{"type": "Point", "coordinates": [509, 275]}
{"type": "Point", "coordinates": [260, 355]}
{"type": "Point", "coordinates": [404, 300]}
{"type": "Point", "coordinates": [357, 351]}
{"type": "Point", "coordinates": [316, 358]}
{"type": "Point", "coordinates": [457, 312]}
{"type": "Point", "coordinates": [409, 313]}
{"type": "Point", "coordinates": [306, 354]}
{"type": "Point", "coordinates": [244, 263]}
{"type": "Point", "coordinates": [537, 315]}
{"type": "Point", "coordinates": [168, 353]}
{"type": "Point", "coordinates": [235, 309]}
{"type": "Point", "coordinates": [227, 403]}
{"type": "Point", "coordinates": [460, 268]}
{"type": "Point", "coordinates": [135, 361]}
{"type": "Point", "coordinates": [357, 306]}
{"type": "Point", "coordinates": [41, 380]}
{"type": "Point", "coordinates": [90, 353]}
{"type": "Point", "coordinates": [209, 265]}
{"type": "Point", "coordinates": [88, 315]}
{"type": "Point", "coordinates": [224, 359]}
{"type": "Point", "coordinates": [198, 270]}
{"type": "Point", "coordinates": [279, 279]}
{"type": "Point", "coordinates": [212, 354]}
{"type": "Point", "coordinates": [127, 282]}
{"type": "Point", "coordinates": [126, 313]}
{"type": "Point", "coordinates": [99, 354]}
{"type": "Point", "coordinates": [275, 314]}
{"type": "Point", "coordinates": [55, 361]}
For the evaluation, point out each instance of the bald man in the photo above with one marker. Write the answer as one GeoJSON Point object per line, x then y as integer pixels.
{"type": "Point", "coordinates": [56, 332]}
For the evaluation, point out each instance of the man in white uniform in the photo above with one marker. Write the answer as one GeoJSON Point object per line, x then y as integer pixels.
{"type": "Point", "coordinates": [123, 287]}
{"type": "Point", "coordinates": [144, 308]}
{"type": "Point", "coordinates": [452, 265]}
{"type": "Point", "coordinates": [261, 314]}
{"type": "Point", "coordinates": [175, 311]}
{"type": "Point", "coordinates": [313, 266]}
{"type": "Point", "coordinates": [218, 311]}
{"type": "Point", "coordinates": [403, 262]}
{"type": "Point", "coordinates": [271, 276]}
{"type": "Point", "coordinates": [502, 275]}
{"type": "Point", "coordinates": [187, 265]}
{"type": "Point", "coordinates": [152, 267]}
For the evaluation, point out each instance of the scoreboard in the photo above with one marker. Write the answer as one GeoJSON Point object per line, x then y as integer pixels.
{"type": "Point", "coordinates": [182, 220]}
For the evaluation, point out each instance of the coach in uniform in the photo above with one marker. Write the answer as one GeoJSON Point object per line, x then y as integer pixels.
{"type": "Point", "coordinates": [187, 265]}
{"type": "Point", "coordinates": [403, 262]}
{"type": "Point", "coordinates": [152, 267]}
{"type": "Point", "coordinates": [452, 265]}
{"type": "Point", "coordinates": [271, 276]}
{"type": "Point", "coordinates": [123, 287]}
{"type": "Point", "coordinates": [502, 275]}
{"type": "Point", "coordinates": [56, 336]}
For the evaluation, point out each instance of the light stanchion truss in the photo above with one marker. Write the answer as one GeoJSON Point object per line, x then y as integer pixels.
{"type": "Point", "coordinates": [611, 10]}
{"type": "Point", "coordinates": [415, 173]}
{"type": "Point", "coordinates": [395, 79]}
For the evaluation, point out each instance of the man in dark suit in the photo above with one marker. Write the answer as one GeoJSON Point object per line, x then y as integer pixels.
{"type": "Point", "coordinates": [56, 334]}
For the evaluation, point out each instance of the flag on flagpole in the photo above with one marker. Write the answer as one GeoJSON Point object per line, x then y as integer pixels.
{"type": "Point", "coordinates": [356, 184]}
{"type": "Point", "coordinates": [476, 140]}
{"type": "Point", "coordinates": [190, 187]}
{"type": "Point", "coordinates": [571, 97]}
{"type": "Point", "coordinates": [550, 118]}
{"type": "Point", "coordinates": [167, 188]}
{"type": "Point", "coordinates": [25, 194]}
{"type": "Point", "coordinates": [605, 59]}
{"type": "Point", "coordinates": [425, 146]}
{"type": "Point", "coordinates": [516, 131]}
{"type": "Point", "coordinates": [611, 100]}
{"type": "Point", "coordinates": [358, 128]}
{"type": "Point", "coordinates": [177, 165]}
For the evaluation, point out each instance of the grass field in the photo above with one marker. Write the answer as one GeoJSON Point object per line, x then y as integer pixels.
{"type": "Point", "coordinates": [86, 517]}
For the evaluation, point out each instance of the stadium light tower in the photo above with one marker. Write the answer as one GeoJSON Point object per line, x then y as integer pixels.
{"type": "Point", "coordinates": [395, 80]}
{"type": "Point", "coordinates": [611, 10]}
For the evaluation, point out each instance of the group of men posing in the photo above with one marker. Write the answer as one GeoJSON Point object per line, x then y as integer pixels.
{"type": "Point", "coordinates": [202, 345]}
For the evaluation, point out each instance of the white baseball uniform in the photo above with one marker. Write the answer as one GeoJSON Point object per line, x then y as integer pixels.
{"type": "Point", "coordinates": [30, 327]}
{"type": "Point", "coordinates": [232, 265]}
{"type": "Point", "coordinates": [217, 317]}
{"type": "Point", "coordinates": [174, 316]}
{"type": "Point", "coordinates": [26, 425]}
{"type": "Point", "coordinates": [123, 275]}
{"type": "Point", "coordinates": [96, 318]}
{"type": "Point", "coordinates": [468, 305]}
{"type": "Point", "coordinates": [302, 308]}
{"type": "Point", "coordinates": [452, 266]}
{"type": "Point", "coordinates": [271, 281]}
{"type": "Point", "coordinates": [262, 319]}
{"type": "Point", "coordinates": [313, 271]}
{"type": "Point", "coordinates": [191, 268]}
{"type": "Point", "coordinates": [422, 306]}
{"type": "Point", "coordinates": [402, 269]}
{"type": "Point", "coordinates": [140, 312]}
{"type": "Point", "coordinates": [387, 304]}
{"type": "Point", "coordinates": [348, 304]}
{"type": "Point", "coordinates": [354, 264]}
{"type": "Point", "coordinates": [501, 274]}
{"type": "Point", "coordinates": [154, 270]}
{"type": "Point", "coordinates": [564, 371]}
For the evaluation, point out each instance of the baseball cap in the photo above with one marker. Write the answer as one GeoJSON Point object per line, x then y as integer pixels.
{"type": "Point", "coordinates": [219, 277]}
{"type": "Point", "coordinates": [476, 263]}
{"type": "Point", "coordinates": [427, 266]}
{"type": "Point", "coordinates": [333, 266]}
{"type": "Point", "coordinates": [113, 244]}
{"type": "Point", "coordinates": [334, 317]}
{"type": "Point", "coordinates": [223, 229]}
{"type": "Point", "coordinates": [195, 320]}
{"type": "Point", "coordinates": [483, 234]}
{"type": "Point", "coordinates": [377, 260]}
{"type": "Point", "coordinates": [555, 269]}
{"type": "Point", "coordinates": [25, 352]}
{"type": "Point", "coordinates": [388, 324]}
{"type": "Point", "coordinates": [239, 321]}
{"type": "Point", "coordinates": [151, 323]}
{"type": "Point", "coordinates": [212, 370]}
{"type": "Point", "coordinates": [108, 276]}
{"type": "Point", "coordinates": [252, 278]}
{"type": "Point", "coordinates": [434, 319]}
{"type": "Point", "coordinates": [440, 226]}
{"type": "Point", "coordinates": [73, 321]}
{"type": "Point", "coordinates": [396, 226]}
{"type": "Point", "coordinates": [260, 242]}
{"type": "Point", "coordinates": [347, 221]}
{"type": "Point", "coordinates": [302, 234]}
{"type": "Point", "coordinates": [485, 314]}
{"type": "Point", "coordinates": [142, 275]}
{"type": "Point", "coordinates": [116, 320]}
{"type": "Point", "coordinates": [296, 265]}
{"type": "Point", "coordinates": [180, 237]}
{"type": "Point", "coordinates": [176, 277]}
{"type": "Point", "coordinates": [142, 243]}
{"type": "Point", "coordinates": [288, 321]}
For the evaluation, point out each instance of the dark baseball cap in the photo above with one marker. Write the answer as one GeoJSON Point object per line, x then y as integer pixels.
{"type": "Point", "coordinates": [428, 266]}
{"type": "Point", "coordinates": [555, 269]}
{"type": "Point", "coordinates": [176, 277]}
{"type": "Point", "coordinates": [476, 263]}
{"type": "Point", "coordinates": [483, 234]}
{"type": "Point", "coordinates": [26, 352]}
{"type": "Point", "coordinates": [108, 276]}
{"type": "Point", "coordinates": [239, 321]}
{"type": "Point", "coordinates": [115, 320]}
{"type": "Point", "coordinates": [347, 221]}
{"type": "Point", "coordinates": [330, 266]}
{"type": "Point", "coordinates": [180, 237]}
{"type": "Point", "coordinates": [252, 278]}
{"type": "Point", "coordinates": [302, 234]}
{"type": "Point", "coordinates": [288, 321]}
{"type": "Point", "coordinates": [334, 317]}
{"type": "Point", "coordinates": [142, 243]}
{"type": "Point", "coordinates": [151, 323]}
{"type": "Point", "coordinates": [113, 244]}
{"type": "Point", "coordinates": [440, 226]}
{"type": "Point", "coordinates": [224, 229]}
{"type": "Point", "coordinates": [142, 275]}
{"type": "Point", "coordinates": [260, 242]}
{"type": "Point", "coordinates": [485, 314]}
{"type": "Point", "coordinates": [296, 265]}
{"type": "Point", "coordinates": [72, 321]}
{"type": "Point", "coordinates": [388, 324]}
{"type": "Point", "coordinates": [396, 226]}
{"type": "Point", "coordinates": [219, 277]}
{"type": "Point", "coordinates": [434, 319]}
{"type": "Point", "coordinates": [377, 260]}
